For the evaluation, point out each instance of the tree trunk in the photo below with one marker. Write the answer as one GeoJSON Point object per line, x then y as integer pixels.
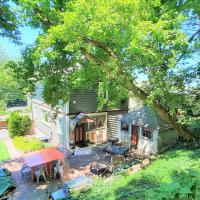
{"type": "Point", "coordinates": [130, 86]}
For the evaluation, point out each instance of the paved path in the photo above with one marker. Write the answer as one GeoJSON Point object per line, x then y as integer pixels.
{"type": "Point", "coordinates": [12, 150]}
{"type": "Point", "coordinates": [4, 134]}
{"type": "Point", "coordinates": [8, 141]}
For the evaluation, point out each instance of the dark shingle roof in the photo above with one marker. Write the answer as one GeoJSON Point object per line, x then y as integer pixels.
{"type": "Point", "coordinates": [145, 117]}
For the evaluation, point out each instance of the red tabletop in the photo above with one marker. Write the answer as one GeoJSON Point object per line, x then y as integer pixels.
{"type": "Point", "coordinates": [43, 156]}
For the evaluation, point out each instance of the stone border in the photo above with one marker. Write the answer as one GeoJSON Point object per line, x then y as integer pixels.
{"type": "Point", "coordinates": [140, 166]}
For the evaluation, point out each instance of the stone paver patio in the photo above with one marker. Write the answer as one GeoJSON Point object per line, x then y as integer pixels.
{"type": "Point", "coordinates": [75, 166]}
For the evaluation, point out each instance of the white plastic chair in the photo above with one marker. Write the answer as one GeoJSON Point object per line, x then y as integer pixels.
{"type": "Point", "coordinates": [58, 168]}
{"type": "Point", "coordinates": [38, 173]}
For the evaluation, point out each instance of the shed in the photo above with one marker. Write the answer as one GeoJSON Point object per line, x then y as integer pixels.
{"type": "Point", "coordinates": [144, 129]}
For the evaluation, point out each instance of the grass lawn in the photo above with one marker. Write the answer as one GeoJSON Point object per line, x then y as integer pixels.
{"type": "Point", "coordinates": [4, 155]}
{"type": "Point", "coordinates": [144, 184]}
{"type": "Point", "coordinates": [28, 144]}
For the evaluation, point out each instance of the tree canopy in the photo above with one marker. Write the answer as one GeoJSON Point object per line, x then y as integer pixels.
{"type": "Point", "coordinates": [8, 21]}
{"type": "Point", "coordinates": [9, 87]}
{"type": "Point", "coordinates": [110, 45]}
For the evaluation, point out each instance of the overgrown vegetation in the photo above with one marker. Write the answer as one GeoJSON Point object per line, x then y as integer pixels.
{"type": "Point", "coordinates": [18, 124]}
{"type": "Point", "coordinates": [27, 144]}
{"type": "Point", "coordinates": [4, 155]}
{"type": "Point", "coordinates": [169, 169]}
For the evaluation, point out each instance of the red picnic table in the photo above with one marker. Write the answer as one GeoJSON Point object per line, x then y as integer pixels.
{"type": "Point", "coordinates": [43, 157]}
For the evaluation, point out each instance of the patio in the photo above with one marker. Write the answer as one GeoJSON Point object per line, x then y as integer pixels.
{"type": "Point", "coordinates": [75, 166]}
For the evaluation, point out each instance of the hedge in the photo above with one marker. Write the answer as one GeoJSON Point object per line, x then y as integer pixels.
{"type": "Point", "coordinates": [18, 125]}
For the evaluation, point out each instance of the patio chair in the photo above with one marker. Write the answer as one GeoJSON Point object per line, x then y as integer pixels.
{"type": "Point", "coordinates": [58, 168]}
{"type": "Point", "coordinates": [38, 173]}
{"type": "Point", "coordinates": [25, 170]}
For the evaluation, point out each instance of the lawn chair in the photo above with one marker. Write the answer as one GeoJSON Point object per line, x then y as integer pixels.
{"type": "Point", "coordinates": [39, 172]}
{"type": "Point", "coordinates": [58, 168]}
{"type": "Point", "coordinates": [25, 170]}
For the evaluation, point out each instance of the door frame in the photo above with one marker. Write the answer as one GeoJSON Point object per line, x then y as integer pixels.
{"type": "Point", "coordinates": [133, 127]}
{"type": "Point", "coordinates": [77, 128]}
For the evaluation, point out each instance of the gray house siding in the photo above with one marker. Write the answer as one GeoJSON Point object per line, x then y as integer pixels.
{"type": "Point", "coordinates": [83, 101]}
{"type": "Point", "coordinates": [86, 102]}
{"type": "Point", "coordinates": [113, 123]}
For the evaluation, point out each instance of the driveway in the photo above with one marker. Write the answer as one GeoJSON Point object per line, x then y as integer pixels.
{"type": "Point", "coordinates": [4, 134]}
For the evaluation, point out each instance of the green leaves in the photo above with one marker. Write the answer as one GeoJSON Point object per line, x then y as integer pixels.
{"type": "Point", "coordinates": [9, 22]}
{"type": "Point", "coordinates": [186, 186]}
{"type": "Point", "coordinates": [87, 42]}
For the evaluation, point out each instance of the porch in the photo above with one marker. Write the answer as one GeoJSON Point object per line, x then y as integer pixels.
{"type": "Point", "coordinates": [88, 130]}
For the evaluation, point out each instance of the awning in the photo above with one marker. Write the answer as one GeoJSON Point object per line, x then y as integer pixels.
{"type": "Point", "coordinates": [80, 118]}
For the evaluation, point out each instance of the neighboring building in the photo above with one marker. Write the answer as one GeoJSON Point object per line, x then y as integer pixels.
{"type": "Point", "coordinates": [146, 131]}
{"type": "Point", "coordinates": [77, 122]}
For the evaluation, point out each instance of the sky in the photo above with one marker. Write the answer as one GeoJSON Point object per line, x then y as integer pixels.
{"type": "Point", "coordinates": [12, 50]}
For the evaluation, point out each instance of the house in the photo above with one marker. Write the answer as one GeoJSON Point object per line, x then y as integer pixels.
{"type": "Point", "coordinates": [77, 122]}
{"type": "Point", "coordinates": [146, 131]}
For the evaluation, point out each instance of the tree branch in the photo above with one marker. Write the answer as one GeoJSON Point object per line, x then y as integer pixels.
{"type": "Point", "coordinates": [101, 45]}
{"type": "Point", "coordinates": [189, 41]}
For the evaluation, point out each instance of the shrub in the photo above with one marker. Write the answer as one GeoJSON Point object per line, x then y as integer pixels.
{"type": "Point", "coordinates": [18, 125]}
{"type": "Point", "coordinates": [25, 123]}
{"type": "Point", "coordinates": [27, 144]}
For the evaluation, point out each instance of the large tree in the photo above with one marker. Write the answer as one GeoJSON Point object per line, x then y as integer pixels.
{"type": "Point", "coordinates": [111, 45]}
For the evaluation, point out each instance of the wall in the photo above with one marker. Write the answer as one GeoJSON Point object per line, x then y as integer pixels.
{"type": "Point", "coordinates": [83, 101]}
{"type": "Point", "coordinates": [87, 102]}
{"type": "Point", "coordinates": [125, 137]}
{"type": "Point", "coordinates": [51, 128]}
{"type": "Point", "coordinates": [147, 145]}
{"type": "Point", "coordinates": [114, 124]}
{"type": "Point", "coordinates": [167, 139]}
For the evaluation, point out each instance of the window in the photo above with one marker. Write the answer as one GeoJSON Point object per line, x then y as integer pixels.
{"type": "Point", "coordinates": [46, 117]}
{"type": "Point", "coordinates": [147, 133]}
{"type": "Point", "coordinates": [101, 122]}
{"type": "Point", "coordinates": [124, 127]}
{"type": "Point", "coordinates": [92, 125]}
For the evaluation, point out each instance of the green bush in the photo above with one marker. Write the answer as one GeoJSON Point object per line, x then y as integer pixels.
{"type": "Point", "coordinates": [18, 125]}
{"type": "Point", "coordinates": [27, 144]}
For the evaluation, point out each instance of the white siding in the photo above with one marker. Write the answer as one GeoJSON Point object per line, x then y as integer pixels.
{"type": "Point", "coordinates": [146, 145]}
{"type": "Point", "coordinates": [114, 124]}
{"type": "Point", "coordinates": [51, 128]}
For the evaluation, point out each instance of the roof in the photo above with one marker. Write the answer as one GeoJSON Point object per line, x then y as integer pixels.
{"type": "Point", "coordinates": [145, 117]}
